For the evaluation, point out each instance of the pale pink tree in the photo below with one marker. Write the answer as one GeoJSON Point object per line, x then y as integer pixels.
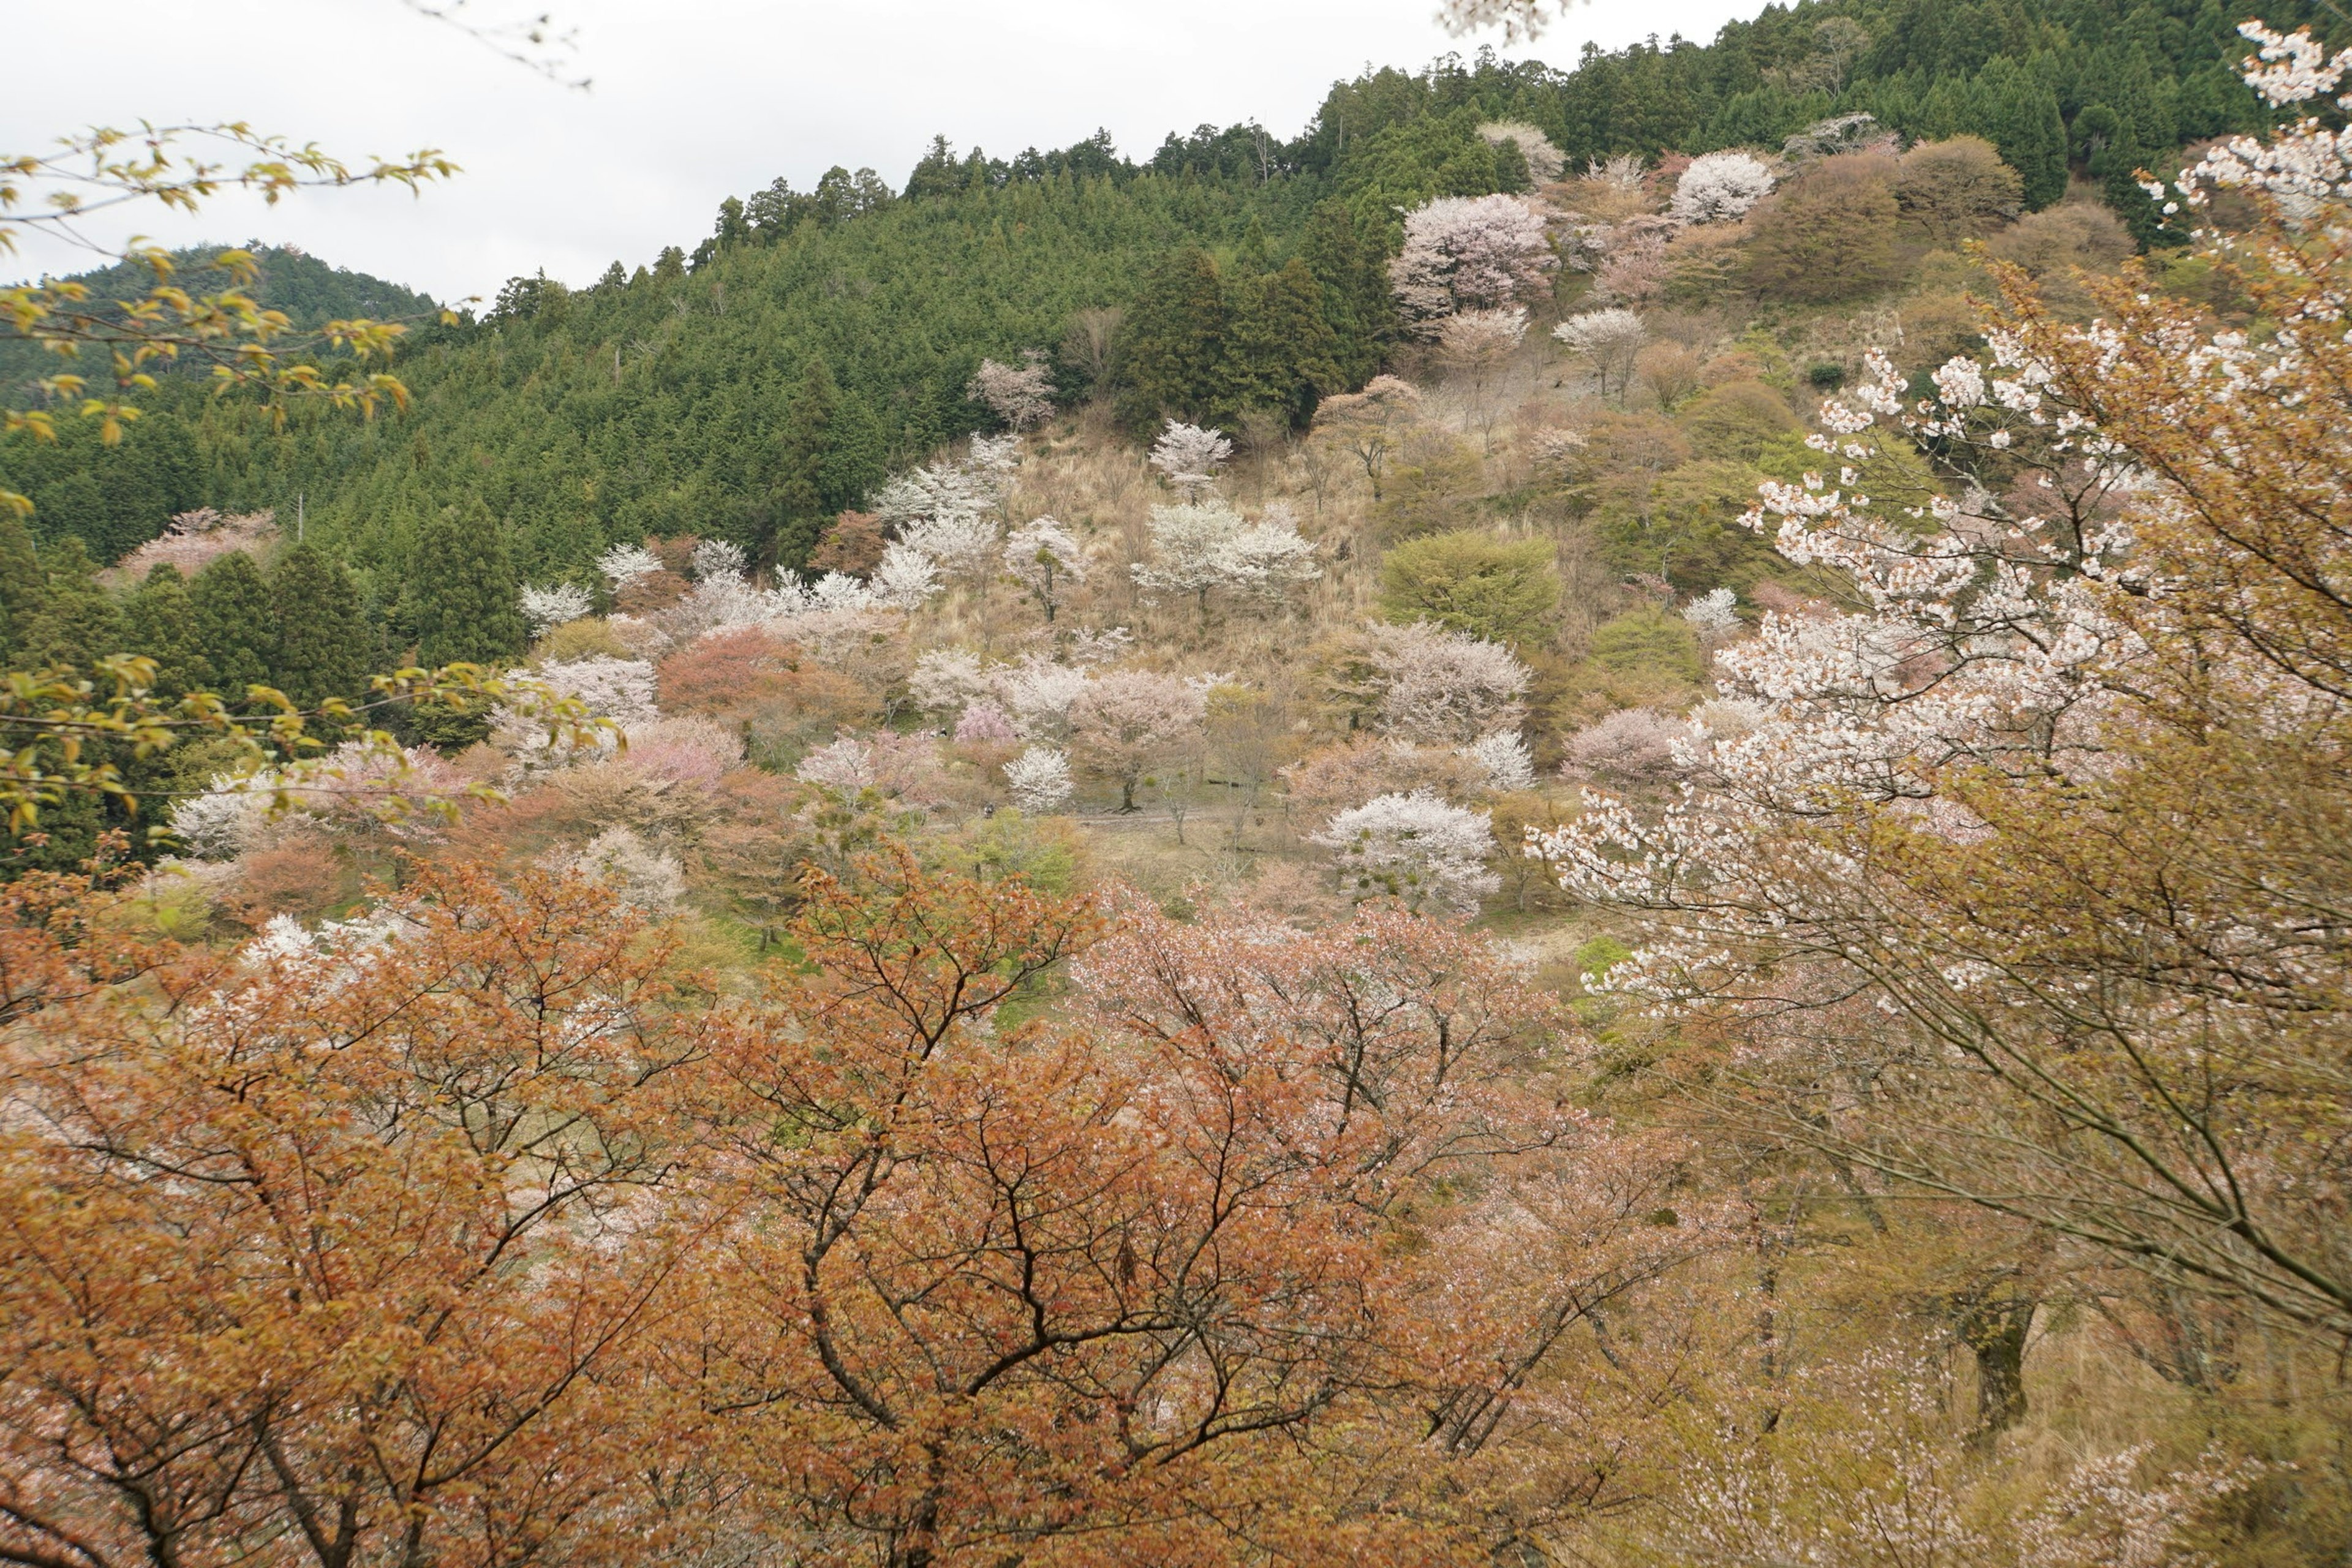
{"type": "Point", "coordinates": [1021, 395]}
{"type": "Point", "coordinates": [1128, 722]}
{"type": "Point", "coordinates": [1610, 339]}
{"type": "Point", "coordinates": [1475, 346]}
{"type": "Point", "coordinates": [1470, 252]}
{"type": "Point", "coordinates": [1189, 456]}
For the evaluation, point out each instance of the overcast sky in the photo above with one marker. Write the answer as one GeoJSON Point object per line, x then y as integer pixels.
{"type": "Point", "coordinates": [693, 101]}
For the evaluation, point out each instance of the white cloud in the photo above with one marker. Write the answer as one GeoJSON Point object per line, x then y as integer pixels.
{"type": "Point", "coordinates": [697, 100]}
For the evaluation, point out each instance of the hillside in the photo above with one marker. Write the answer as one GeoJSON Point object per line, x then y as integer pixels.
{"type": "Point", "coordinates": [1601, 819]}
{"type": "Point", "coordinates": [689, 397]}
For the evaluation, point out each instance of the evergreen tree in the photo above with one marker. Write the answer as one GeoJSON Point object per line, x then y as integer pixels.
{"type": "Point", "coordinates": [78, 622]}
{"type": "Point", "coordinates": [233, 610]}
{"type": "Point", "coordinates": [1355, 290]}
{"type": "Point", "coordinates": [21, 582]}
{"type": "Point", "coordinates": [1171, 351]}
{"type": "Point", "coordinates": [322, 643]}
{"type": "Point", "coordinates": [1281, 352]}
{"type": "Point", "coordinates": [830, 450]}
{"type": "Point", "coordinates": [159, 619]}
{"type": "Point", "coordinates": [2024, 123]}
{"type": "Point", "coordinates": [463, 593]}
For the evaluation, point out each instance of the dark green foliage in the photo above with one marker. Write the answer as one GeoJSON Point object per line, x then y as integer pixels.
{"type": "Point", "coordinates": [21, 581]}
{"type": "Point", "coordinates": [159, 619]}
{"type": "Point", "coordinates": [677, 402]}
{"type": "Point", "coordinates": [462, 588]}
{"type": "Point", "coordinates": [1170, 358]}
{"type": "Point", "coordinates": [76, 622]}
{"type": "Point", "coordinates": [309, 292]}
{"type": "Point", "coordinates": [1283, 355]}
{"type": "Point", "coordinates": [233, 607]}
{"type": "Point", "coordinates": [1351, 268]}
{"type": "Point", "coordinates": [323, 645]}
{"type": "Point", "coordinates": [112, 499]}
{"type": "Point", "coordinates": [830, 451]}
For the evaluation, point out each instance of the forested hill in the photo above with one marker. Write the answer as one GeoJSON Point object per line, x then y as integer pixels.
{"type": "Point", "coordinates": [756, 385]}
{"type": "Point", "coordinates": [310, 291]}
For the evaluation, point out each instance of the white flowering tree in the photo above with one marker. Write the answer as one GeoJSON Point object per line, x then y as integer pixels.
{"type": "Point", "coordinates": [626, 563]}
{"type": "Point", "coordinates": [1610, 339]}
{"type": "Point", "coordinates": [1200, 547]}
{"type": "Point", "coordinates": [1039, 780]}
{"type": "Point", "coordinates": [1715, 613]}
{"type": "Point", "coordinates": [1504, 757]}
{"type": "Point", "coordinates": [1038, 692]}
{"type": "Point", "coordinates": [1470, 252]}
{"type": "Point", "coordinates": [1721, 186]}
{"type": "Point", "coordinates": [1416, 848]}
{"type": "Point", "coordinates": [1189, 456]}
{"type": "Point", "coordinates": [906, 578]}
{"type": "Point", "coordinates": [1044, 558]}
{"type": "Point", "coordinates": [2037, 802]}
{"type": "Point", "coordinates": [1436, 687]}
{"type": "Point", "coordinates": [548, 608]}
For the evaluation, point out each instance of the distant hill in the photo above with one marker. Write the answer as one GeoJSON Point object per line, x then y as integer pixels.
{"type": "Point", "coordinates": [307, 290]}
{"type": "Point", "coordinates": [753, 383]}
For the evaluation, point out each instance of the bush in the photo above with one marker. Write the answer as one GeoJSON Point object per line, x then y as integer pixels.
{"type": "Point", "coordinates": [1737, 420]}
{"type": "Point", "coordinates": [1958, 190]}
{"type": "Point", "coordinates": [2053, 244]}
{"type": "Point", "coordinates": [1829, 236]}
{"type": "Point", "coordinates": [1433, 488]}
{"type": "Point", "coordinates": [1648, 641]}
{"type": "Point", "coordinates": [1466, 580]}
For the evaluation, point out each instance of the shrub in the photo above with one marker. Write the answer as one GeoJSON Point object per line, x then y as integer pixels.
{"type": "Point", "coordinates": [1958, 190]}
{"type": "Point", "coordinates": [1648, 641]}
{"type": "Point", "coordinates": [1737, 420]}
{"type": "Point", "coordinates": [1466, 580]}
{"type": "Point", "coordinates": [1436, 485]}
{"type": "Point", "coordinates": [1829, 236]}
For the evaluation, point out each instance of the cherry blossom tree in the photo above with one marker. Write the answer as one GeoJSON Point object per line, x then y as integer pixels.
{"type": "Point", "coordinates": [548, 608]}
{"type": "Point", "coordinates": [1721, 186]}
{"type": "Point", "coordinates": [1042, 557]}
{"type": "Point", "coordinates": [1610, 339]}
{"type": "Point", "coordinates": [2039, 796]}
{"type": "Point", "coordinates": [1415, 848]}
{"type": "Point", "coordinates": [906, 578]}
{"type": "Point", "coordinates": [626, 563]}
{"type": "Point", "coordinates": [1474, 345]}
{"type": "Point", "coordinates": [1433, 686]}
{"type": "Point", "coordinates": [1504, 757]}
{"type": "Point", "coordinates": [1189, 456]}
{"type": "Point", "coordinates": [1469, 253]}
{"type": "Point", "coordinates": [1713, 613]}
{"type": "Point", "coordinates": [1370, 422]}
{"type": "Point", "coordinates": [1020, 396]}
{"type": "Point", "coordinates": [1128, 722]}
{"type": "Point", "coordinates": [1632, 745]}
{"type": "Point", "coordinates": [1039, 779]}
{"type": "Point", "coordinates": [1202, 546]}
{"type": "Point", "coordinates": [1038, 692]}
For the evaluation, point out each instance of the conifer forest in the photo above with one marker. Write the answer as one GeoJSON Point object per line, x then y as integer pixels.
{"type": "Point", "coordinates": [1599, 818]}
